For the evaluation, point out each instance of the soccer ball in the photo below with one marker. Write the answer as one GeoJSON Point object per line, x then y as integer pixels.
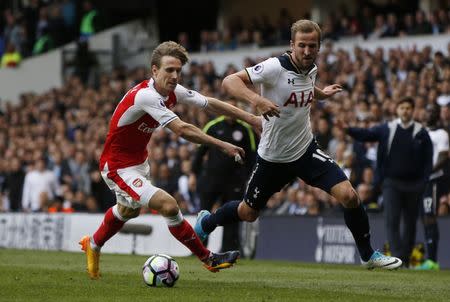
{"type": "Point", "coordinates": [160, 270]}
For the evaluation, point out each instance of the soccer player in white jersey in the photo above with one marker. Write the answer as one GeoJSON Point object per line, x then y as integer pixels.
{"type": "Point", "coordinates": [435, 189]}
{"type": "Point", "coordinates": [124, 164]}
{"type": "Point", "coordinates": [287, 148]}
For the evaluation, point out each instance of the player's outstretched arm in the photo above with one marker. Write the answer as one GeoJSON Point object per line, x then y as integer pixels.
{"type": "Point", "coordinates": [235, 85]}
{"type": "Point", "coordinates": [218, 107]}
{"type": "Point", "coordinates": [328, 91]}
{"type": "Point", "coordinates": [195, 135]}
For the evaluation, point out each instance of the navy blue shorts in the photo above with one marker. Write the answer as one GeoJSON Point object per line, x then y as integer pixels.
{"type": "Point", "coordinates": [315, 168]}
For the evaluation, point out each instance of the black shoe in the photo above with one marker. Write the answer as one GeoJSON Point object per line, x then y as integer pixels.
{"type": "Point", "coordinates": [218, 261]}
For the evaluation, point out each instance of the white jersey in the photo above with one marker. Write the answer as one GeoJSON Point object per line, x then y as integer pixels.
{"type": "Point", "coordinates": [439, 139]}
{"type": "Point", "coordinates": [285, 139]}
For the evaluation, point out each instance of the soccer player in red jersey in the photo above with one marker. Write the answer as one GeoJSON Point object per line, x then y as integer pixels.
{"type": "Point", "coordinates": [124, 165]}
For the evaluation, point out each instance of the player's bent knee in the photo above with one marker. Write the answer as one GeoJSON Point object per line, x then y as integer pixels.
{"type": "Point", "coordinates": [345, 194]}
{"type": "Point", "coordinates": [169, 206]}
{"type": "Point", "coordinates": [170, 209]}
{"type": "Point", "coordinates": [246, 213]}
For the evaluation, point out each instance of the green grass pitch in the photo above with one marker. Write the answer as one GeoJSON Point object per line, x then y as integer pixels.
{"type": "Point", "coordinates": [60, 276]}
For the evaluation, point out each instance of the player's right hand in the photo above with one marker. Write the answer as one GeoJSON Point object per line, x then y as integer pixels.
{"type": "Point", "coordinates": [234, 151]}
{"type": "Point", "coordinates": [267, 108]}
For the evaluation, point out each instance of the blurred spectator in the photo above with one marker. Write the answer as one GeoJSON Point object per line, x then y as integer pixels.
{"type": "Point", "coordinates": [14, 185]}
{"type": "Point", "coordinates": [183, 40]}
{"type": "Point", "coordinates": [392, 29]}
{"type": "Point", "coordinates": [323, 133]}
{"type": "Point", "coordinates": [40, 186]}
{"type": "Point", "coordinates": [379, 29]}
{"type": "Point", "coordinates": [187, 188]}
{"type": "Point", "coordinates": [408, 27]}
{"type": "Point", "coordinates": [277, 204]}
{"type": "Point", "coordinates": [166, 179]}
{"type": "Point", "coordinates": [84, 62]}
{"type": "Point", "coordinates": [11, 58]}
{"type": "Point", "coordinates": [68, 12]}
{"type": "Point", "coordinates": [44, 43]}
{"type": "Point", "coordinates": [365, 193]}
{"type": "Point", "coordinates": [422, 26]}
{"type": "Point", "coordinates": [444, 97]}
{"type": "Point", "coordinates": [90, 21]}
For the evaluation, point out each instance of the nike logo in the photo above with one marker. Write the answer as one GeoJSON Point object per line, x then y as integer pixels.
{"type": "Point", "coordinates": [393, 262]}
{"type": "Point", "coordinates": [190, 239]}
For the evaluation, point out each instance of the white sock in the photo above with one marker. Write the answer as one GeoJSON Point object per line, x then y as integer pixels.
{"type": "Point", "coordinates": [174, 220]}
{"type": "Point", "coordinates": [94, 246]}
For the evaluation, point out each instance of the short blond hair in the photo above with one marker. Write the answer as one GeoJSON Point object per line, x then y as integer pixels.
{"type": "Point", "coordinates": [305, 26]}
{"type": "Point", "coordinates": [169, 48]}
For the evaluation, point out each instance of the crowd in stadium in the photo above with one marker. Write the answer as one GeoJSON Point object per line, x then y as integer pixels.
{"type": "Point", "coordinates": [50, 143]}
{"type": "Point", "coordinates": [38, 26]}
{"type": "Point", "coordinates": [370, 24]}
{"type": "Point", "coordinates": [54, 140]}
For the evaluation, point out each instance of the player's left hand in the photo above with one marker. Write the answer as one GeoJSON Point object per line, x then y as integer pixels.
{"type": "Point", "coordinates": [332, 90]}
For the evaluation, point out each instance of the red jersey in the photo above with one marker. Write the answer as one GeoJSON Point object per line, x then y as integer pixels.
{"type": "Point", "coordinates": [140, 112]}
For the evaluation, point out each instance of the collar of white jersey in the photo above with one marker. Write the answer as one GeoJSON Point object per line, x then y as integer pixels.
{"type": "Point", "coordinates": [297, 68]}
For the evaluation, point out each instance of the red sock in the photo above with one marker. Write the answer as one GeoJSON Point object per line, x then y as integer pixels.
{"type": "Point", "coordinates": [109, 227]}
{"type": "Point", "coordinates": [186, 235]}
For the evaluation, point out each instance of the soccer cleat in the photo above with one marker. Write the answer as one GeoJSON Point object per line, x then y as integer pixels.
{"type": "Point", "coordinates": [378, 260]}
{"type": "Point", "coordinates": [428, 265]}
{"type": "Point", "coordinates": [92, 257]}
{"type": "Point", "coordinates": [218, 261]}
{"type": "Point", "coordinates": [198, 225]}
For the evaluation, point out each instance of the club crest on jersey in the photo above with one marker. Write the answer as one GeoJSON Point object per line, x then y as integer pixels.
{"type": "Point", "coordinates": [137, 183]}
{"type": "Point", "coordinates": [258, 68]}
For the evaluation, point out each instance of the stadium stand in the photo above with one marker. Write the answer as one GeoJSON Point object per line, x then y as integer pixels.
{"type": "Point", "coordinates": [66, 125]}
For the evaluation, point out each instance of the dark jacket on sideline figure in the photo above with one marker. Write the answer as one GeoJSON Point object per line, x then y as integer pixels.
{"type": "Point", "coordinates": [421, 151]}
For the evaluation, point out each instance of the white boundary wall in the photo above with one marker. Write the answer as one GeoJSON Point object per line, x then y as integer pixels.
{"type": "Point", "coordinates": [63, 231]}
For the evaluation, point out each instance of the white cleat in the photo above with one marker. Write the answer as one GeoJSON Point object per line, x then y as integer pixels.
{"type": "Point", "coordinates": [378, 260]}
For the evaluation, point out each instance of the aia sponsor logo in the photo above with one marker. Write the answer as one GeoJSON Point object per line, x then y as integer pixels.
{"type": "Point", "coordinates": [137, 183]}
{"type": "Point", "coordinates": [299, 99]}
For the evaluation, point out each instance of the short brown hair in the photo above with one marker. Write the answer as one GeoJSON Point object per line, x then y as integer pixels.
{"type": "Point", "coordinates": [305, 26]}
{"type": "Point", "coordinates": [169, 48]}
{"type": "Point", "coordinates": [406, 99]}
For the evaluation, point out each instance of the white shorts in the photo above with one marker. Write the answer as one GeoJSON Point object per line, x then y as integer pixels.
{"type": "Point", "coordinates": [132, 185]}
